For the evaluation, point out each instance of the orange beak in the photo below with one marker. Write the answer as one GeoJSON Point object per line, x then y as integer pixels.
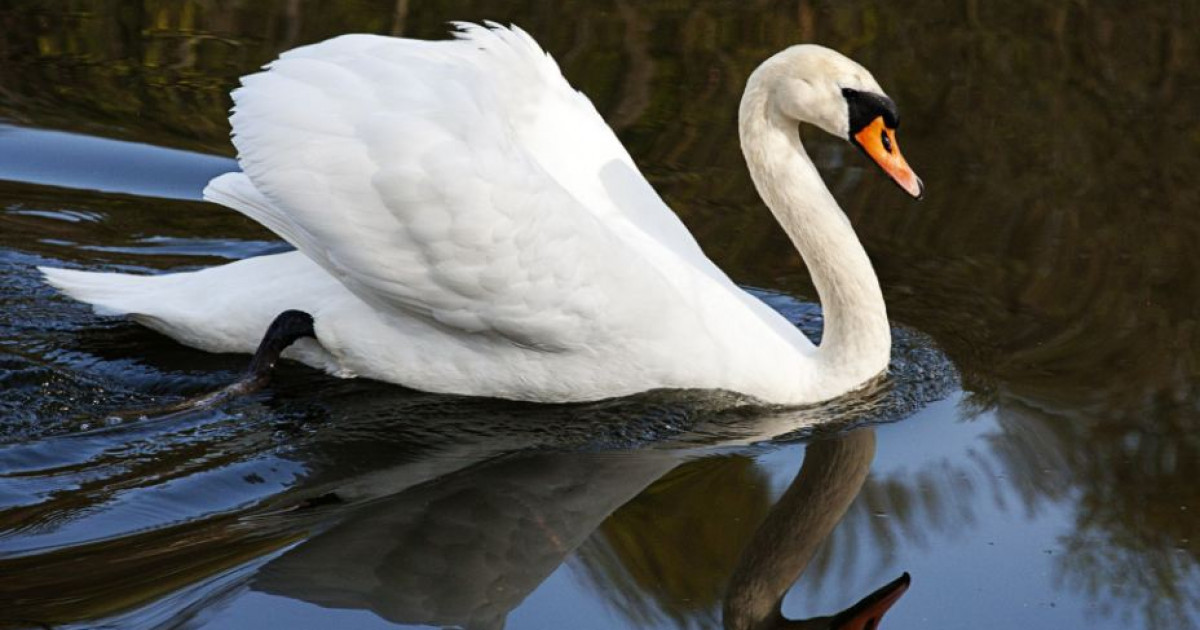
{"type": "Point", "coordinates": [865, 615]}
{"type": "Point", "coordinates": [879, 142]}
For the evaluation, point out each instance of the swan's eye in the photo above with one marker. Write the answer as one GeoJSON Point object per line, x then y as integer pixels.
{"type": "Point", "coordinates": [886, 140]}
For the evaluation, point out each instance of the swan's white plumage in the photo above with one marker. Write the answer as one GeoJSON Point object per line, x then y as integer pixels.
{"type": "Point", "coordinates": [466, 222]}
{"type": "Point", "coordinates": [405, 172]}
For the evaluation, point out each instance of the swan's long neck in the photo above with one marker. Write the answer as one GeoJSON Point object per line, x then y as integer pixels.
{"type": "Point", "coordinates": [856, 341]}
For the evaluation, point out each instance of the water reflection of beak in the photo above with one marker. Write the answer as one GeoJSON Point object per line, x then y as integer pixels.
{"type": "Point", "coordinates": [865, 615]}
{"type": "Point", "coordinates": [878, 141]}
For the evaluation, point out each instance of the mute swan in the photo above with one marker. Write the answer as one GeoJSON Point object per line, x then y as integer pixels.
{"type": "Point", "coordinates": [465, 222]}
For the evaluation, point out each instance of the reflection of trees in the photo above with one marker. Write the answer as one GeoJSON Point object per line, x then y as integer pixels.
{"type": "Point", "coordinates": [659, 559]}
{"type": "Point", "coordinates": [1133, 549]}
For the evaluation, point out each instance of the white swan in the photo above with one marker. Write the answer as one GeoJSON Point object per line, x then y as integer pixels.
{"type": "Point", "coordinates": [467, 223]}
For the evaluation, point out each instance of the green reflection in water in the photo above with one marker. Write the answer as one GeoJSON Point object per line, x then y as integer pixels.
{"type": "Point", "coordinates": [668, 553]}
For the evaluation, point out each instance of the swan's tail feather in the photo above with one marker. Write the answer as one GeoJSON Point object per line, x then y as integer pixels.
{"type": "Point", "coordinates": [219, 309]}
{"type": "Point", "coordinates": [108, 293]}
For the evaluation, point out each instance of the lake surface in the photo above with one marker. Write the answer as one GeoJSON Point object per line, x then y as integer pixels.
{"type": "Point", "coordinates": [1031, 461]}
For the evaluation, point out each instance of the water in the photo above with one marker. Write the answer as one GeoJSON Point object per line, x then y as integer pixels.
{"type": "Point", "coordinates": [1030, 461]}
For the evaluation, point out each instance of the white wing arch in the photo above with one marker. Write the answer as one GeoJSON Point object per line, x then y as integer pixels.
{"type": "Point", "coordinates": [419, 174]}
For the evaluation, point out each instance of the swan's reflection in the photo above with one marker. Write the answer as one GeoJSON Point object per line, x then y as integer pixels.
{"type": "Point", "coordinates": [833, 473]}
{"type": "Point", "coordinates": [466, 548]}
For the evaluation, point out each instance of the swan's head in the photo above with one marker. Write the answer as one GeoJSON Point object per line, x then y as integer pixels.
{"type": "Point", "coordinates": [816, 85]}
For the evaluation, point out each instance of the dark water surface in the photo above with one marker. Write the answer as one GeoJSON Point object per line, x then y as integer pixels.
{"type": "Point", "coordinates": [1032, 460]}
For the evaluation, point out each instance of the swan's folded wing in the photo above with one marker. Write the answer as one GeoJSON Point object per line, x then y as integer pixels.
{"type": "Point", "coordinates": [394, 164]}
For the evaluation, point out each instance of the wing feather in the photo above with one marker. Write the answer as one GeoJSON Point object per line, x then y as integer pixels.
{"type": "Point", "coordinates": [410, 171]}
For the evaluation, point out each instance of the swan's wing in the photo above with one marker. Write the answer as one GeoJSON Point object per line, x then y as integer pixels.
{"type": "Point", "coordinates": [398, 165]}
{"type": "Point", "coordinates": [563, 132]}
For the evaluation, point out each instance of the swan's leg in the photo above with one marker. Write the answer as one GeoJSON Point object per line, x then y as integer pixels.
{"type": "Point", "coordinates": [287, 328]}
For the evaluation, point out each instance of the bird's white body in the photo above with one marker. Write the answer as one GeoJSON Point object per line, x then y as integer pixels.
{"type": "Point", "coordinates": [467, 223]}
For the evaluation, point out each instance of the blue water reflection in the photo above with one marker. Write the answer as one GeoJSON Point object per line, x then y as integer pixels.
{"type": "Point", "coordinates": [71, 160]}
